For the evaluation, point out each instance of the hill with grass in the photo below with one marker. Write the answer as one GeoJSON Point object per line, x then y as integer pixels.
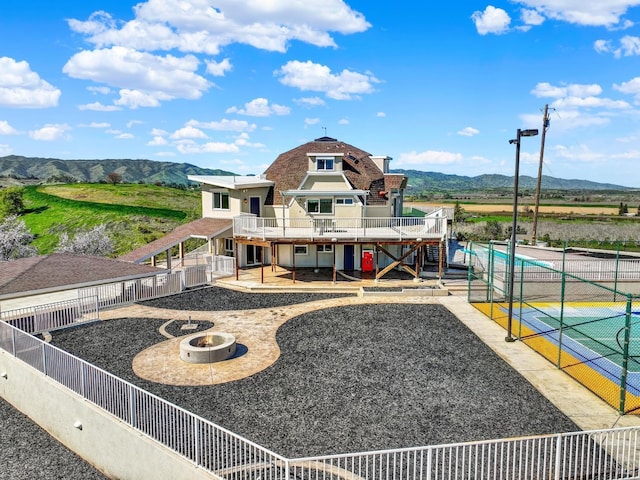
{"type": "Point", "coordinates": [134, 214]}
{"type": "Point", "coordinates": [25, 170]}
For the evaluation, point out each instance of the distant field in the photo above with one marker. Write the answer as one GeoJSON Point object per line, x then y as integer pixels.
{"type": "Point", "coordinates": [508, 208]}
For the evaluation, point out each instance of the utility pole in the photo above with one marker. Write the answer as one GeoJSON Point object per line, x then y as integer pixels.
{"type": "Point", "coordinates": [545, 126]}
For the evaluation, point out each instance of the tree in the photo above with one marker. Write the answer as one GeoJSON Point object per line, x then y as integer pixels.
{"type": "Point", "coordinates": [459, 213]}
{"type": "Point", "coordinates": [114, 178]}
{"type": "Point", "coordinates": [493, 230]}
{"type": "Point", "coordinates": [11, 201]}
{"type": "Point", "coordinates": [15, 239]}
{"type": "Point", "coordinates": [92, 242]}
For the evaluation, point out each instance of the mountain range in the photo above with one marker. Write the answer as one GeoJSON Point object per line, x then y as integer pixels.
{"type": "Point", "coordinates": [15, 169]}
{"type": "Point", "coordinates": [53, 170]}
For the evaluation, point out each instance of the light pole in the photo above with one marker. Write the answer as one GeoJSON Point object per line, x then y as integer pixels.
{"type": "Point", "coordinates": [514, 226]}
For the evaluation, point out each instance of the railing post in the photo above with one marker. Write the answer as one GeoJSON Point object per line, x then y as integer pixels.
{"type": "Point", "coordinates": [429, 463]}
{"type": "Point", "coordinates": [44, 358]}
{"type": "Point", "coordinates": [558, 458]}
{"type": "Point", "coordinates": [132, 412]}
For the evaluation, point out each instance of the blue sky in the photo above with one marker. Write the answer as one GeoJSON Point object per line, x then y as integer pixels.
{"type": "Point", "coordinates": [230, 84]}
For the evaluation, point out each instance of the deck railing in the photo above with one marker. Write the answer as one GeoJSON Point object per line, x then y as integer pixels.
{"type": "Point", "coordinates": [356, 229]}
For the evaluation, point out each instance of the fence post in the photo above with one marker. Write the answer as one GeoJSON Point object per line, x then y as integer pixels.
{"type": "Point", "coordinates": [563, 280]}
{"type": "Point", "coordinates": [625, 356]}
{"type": "Point", "coordinates": [44, 358]}
{"type": "Point", "coordinates": [520, 299]}
{"type": "Point", "coordinates": [615, 281]}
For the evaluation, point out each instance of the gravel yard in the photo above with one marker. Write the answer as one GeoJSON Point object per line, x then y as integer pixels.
{"type": "Point", "coordinates": [216, 298]}
{"type": "Point", "coordinates": [28, 452]}
{"type": "Point", "coordinates": [350, 378]}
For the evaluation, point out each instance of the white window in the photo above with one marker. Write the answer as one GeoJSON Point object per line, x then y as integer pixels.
{"type": "Point", "coordinates": [221, 200]}
{"type": "Point", "coordinates": [301, 249]}
{"type": "Point", "coordinates": [321, 205]}
{"type": "Point", "coordinates": [325, 248]}
{"type": "Point", "coordinates": [324, 163]}
{"type": "Point", "coordinates": [344, 201]}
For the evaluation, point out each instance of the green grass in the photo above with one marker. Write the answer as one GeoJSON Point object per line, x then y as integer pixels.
{"type": "Point", "coordinates": [137, 219]}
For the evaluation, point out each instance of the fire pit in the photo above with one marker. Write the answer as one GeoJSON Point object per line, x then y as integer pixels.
{"type": "Point", "coordinates": [207, 348]}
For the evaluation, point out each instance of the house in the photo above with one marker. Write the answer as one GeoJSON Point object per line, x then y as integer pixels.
{"type": "Point", "coordinates": [323, 204]}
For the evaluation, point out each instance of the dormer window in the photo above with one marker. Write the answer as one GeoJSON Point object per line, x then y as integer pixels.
{"type": "Point", "coordinates": [325, 163]}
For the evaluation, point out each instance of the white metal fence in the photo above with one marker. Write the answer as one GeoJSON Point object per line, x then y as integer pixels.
{"type": "Point", "coordinates": [41, 318]}
{"type": "Point", "coordinates": [111, 295]}
{"type": "Point", "coordinates": [603, 454]}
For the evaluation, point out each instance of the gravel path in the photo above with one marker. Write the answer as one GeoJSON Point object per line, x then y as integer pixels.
{"type": "Point", "coordinates": [349, 379]}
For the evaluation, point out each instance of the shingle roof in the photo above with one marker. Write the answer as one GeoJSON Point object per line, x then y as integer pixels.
{"type": "Point", "coordinates": [394, 181]}
{"type": "Point", "coordinates": [202, 228]}
{"type": "Point", "coordinates": [290, 168]}
{"type": "Point", "coordinates": [63, 271]}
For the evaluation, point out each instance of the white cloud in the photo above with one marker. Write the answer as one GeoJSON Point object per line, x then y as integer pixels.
{"type": "Point", "coordinates": [260, 107]}
{"type": "Point", "coordinates": [492, 20]}
{"type": "Point", "coordinates": [50, 132]}
{"type": "Point", "coordinates": [157, 142]}
{"type": "Point", "coordinates": [311, 121]}
{"type": "Point", "coordinates": [20, 87]}
{"type": "Point", "coordinates": [632, 87]}
{"type": "Point", "coordinates": [309, 76]}
{"type": "Point", "coordinates": [309, 102]}
{"type": "Point", "coordinates": [545, 89]}
{"type": "Point", "coordinates": [225, 125]}
{"type": "Point", "coordinates": [629, 46]}
{"type": "Point", "coordinates": [131, 123]}
{"type": "Point", "coordinates": [218, 69]}
{"type": "Point", "coordinates": [589, 13]}
{"type": "Point", "coordinates": [468, 132]}
{"type": "Point", "coordinates": [6, 129]}
{"type": "Point", "coordinates": [5, 149]}
{"type": "Point", "coordinates": [381, 114]}
{"type": "Point", "coordinates": [99, 107]}
{"type": "Point", "coordinates": [428, 157]}
{"type": "Point", "coordinates": [158, 132]}
{"type": "Point", "coordinates": [531, 17]}
{"type": "Point", "coordinates": [188, 132]}
{"type": "Point", "coordinates": [124, 136]}
{"type": "Point", "coordinates": [199, 27]}
{"type": "Point", "coordinates": [144, 79]}
{"type": "Point", "coordinates": [343, 121]}
{"type": "Point", "coordinates": [100, 90]}
{"type": "Point", "coordinates": [243, 141]}
{"type": "Point", "coordinates": [209, 147]}
{"type": "Point", "coordinates": [96, 125]}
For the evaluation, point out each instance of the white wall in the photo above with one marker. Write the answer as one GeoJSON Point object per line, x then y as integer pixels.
{"type": "Point", "coordinates": [110, 445]}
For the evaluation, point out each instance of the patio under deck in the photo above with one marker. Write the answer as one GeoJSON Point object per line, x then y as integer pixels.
{"type": "Point", "coordinates": [264, 279]}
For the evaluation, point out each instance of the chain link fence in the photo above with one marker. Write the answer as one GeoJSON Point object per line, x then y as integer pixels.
{"type": "Point", "coordinates": [581, 312]}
